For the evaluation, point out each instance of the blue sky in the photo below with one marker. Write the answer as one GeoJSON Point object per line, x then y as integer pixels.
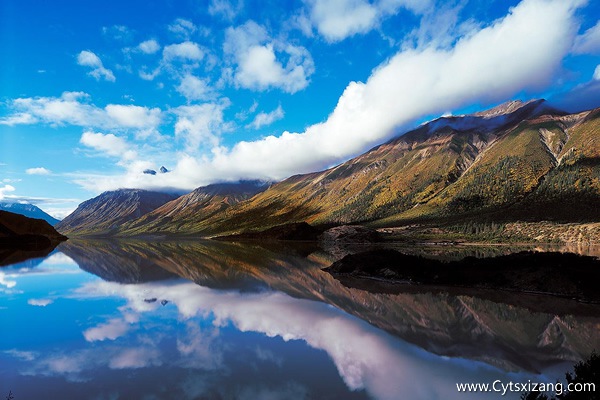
{"type": "Point", "coordinates": [94, 93]}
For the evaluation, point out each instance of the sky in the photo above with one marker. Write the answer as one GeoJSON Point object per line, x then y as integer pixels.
{"type": "Point", "coordinates": [93, 93]}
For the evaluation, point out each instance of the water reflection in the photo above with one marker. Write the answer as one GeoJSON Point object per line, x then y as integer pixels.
{"type": "Point", "coordinates": [225, 320]}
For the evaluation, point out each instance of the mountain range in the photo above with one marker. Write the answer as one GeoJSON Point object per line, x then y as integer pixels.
{"type": "Point", "coordinates": [517, 161]}
{"type": "Point", "coordinates": [29, 210]}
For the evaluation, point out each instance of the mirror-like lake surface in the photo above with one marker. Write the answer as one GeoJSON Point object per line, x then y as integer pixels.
{"type": "Point", "coordinates": [212, 320]}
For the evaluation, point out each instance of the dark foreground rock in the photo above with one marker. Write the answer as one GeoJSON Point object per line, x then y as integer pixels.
{"type": "Point", "coordinates": [294, 231]}
{"type": "Point", "coordinates": [560, 274]}
{"type": "Point", "coordinates": [22, 238]}
{"type": "Point", "coordinates": [350, 234]}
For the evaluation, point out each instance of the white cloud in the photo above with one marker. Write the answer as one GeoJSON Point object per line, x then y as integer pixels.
{"type": "Point", "coordinates": [193, 88]}
{"type": "Point", "coordinates": [256, 57]}
{"type": "Point", "coordinates": [38, 171]}
{"type": "Point", "coordinates": [73, 108]}
{"type": "Point", "coordinates": [488, 64]}
{"type": "Point", "coordinates": [40, 302]}
{"type": "Point", "coordinates": [118, 32]}
{"type": "Point", "coordinates": [108, 144]}
{"type": "Point", "coordinates": [588, 42]}
{"type": "Point", "coordinates": [264, 119]}
{"type": "Point", "coordinates": [184, 51]}
{"type": "Point", "coordinates": [597, 73]}
{"type": "Point", "coordinates": [339, 19]}
{"type": "Point", "coordinates": [200, 125]}
{"type": "Point", "coordinates": [149, 46]}
{"type": "Point", "coordinates": [225, 8]}
{"type": "Point", "coordinates": [88, 59]}
{"type": "Point", "coordinates": [183, 28]}
{"type": "Point", "coordinates": [6, 189]}
{"type": "Point", "coordinates": [130, 116]}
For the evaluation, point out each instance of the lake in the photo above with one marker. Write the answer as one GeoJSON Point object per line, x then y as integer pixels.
{"type": "Point", "coordinates": [217, 320]}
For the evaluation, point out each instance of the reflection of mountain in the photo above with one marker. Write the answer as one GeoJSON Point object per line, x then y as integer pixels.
{"type": "Point", "coordinates": [456, 325]}
{"type": "Point", "coordinates": [102, 260]}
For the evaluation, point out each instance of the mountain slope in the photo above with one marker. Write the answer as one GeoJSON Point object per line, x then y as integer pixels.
{"type": "Point", "coordinates": [29, 210]}
{"type": "Point", "coordinates": [201, 203]}
{"type": "Point", "coordinates": [430, 171]}
{"type": "Point", "coordinates": [107, 212]}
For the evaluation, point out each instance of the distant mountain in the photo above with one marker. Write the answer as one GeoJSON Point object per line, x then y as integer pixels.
{"type": "Point", "coordinates": [180, 214]}
{"type": "Point", "coordinates": [29, 210]}
{"type": "Point", "coordinates": [106, 213]}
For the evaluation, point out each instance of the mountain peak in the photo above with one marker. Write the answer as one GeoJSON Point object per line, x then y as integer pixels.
{"type": "Point", "coordinates": [509, 107]}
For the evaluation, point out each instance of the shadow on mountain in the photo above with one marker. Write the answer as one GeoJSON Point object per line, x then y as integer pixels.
{"type": "Point", "coordinates": [474, 326]}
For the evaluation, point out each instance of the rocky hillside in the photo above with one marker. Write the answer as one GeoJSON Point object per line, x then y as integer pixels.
{"type": "Point", "coordinates": [507, 158]}
{"type": "Point", "coordinates": [515, 162]}
{"type": "Point", "coordinates": [200, 204]}
{"type": "Point", "coordinates": [108, 212]}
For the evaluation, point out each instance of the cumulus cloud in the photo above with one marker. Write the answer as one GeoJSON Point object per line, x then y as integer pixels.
{"type": "Point", "coordinates": [258, 60]}
{"type": "Point", "coordinates": [264, 119]}
{"type": "Point", "coordinates": [588, 42]}
{"type": "Point", "coordinates": [200, 125]}
{"type": "Point", "coordinates": [339, 19]}
{"type": "Point", "coordinates": [73, 108]}
{"type": "Point", "coordinates": [486, 64]}
{"type": "Point", "coordinates": [88, 59]}
{"type": "Point", "coordinates": [6, 189]}
{"type": "Point", "coordinates": [225, 8]}
{"type": "Point", "coordinates": [40, 302]}
{"type": "Point", "coordinates": [149, 46]}
{"type": "Point", "coordinates": [108, 144]}
{"type": "Point", "coordinates": [194, 88]}
{"type": "Point", "coordinates": [38, 171]}
{"type": "Point", "coordinates": [184, 51]}
{"type": "Point", "coordinates": [183, 28]}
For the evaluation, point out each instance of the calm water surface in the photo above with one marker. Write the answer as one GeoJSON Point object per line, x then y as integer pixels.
{"type": "Point", "coordinates": [210, 320]}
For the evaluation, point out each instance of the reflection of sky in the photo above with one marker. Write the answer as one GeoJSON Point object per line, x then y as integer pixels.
{"type": "Point", "coordinates": [75, 334]}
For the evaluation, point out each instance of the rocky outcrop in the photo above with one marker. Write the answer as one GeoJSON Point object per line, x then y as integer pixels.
{"type": "Point", "coordinates": [561, 274]}
{"type": "Point", "coordinates": [350, 234]}
{"type": "Point", "coordinates": [22, 238]}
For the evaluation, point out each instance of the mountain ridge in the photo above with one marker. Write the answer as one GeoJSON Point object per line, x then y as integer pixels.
{"type": "Point", "coordinates": [497, 164]}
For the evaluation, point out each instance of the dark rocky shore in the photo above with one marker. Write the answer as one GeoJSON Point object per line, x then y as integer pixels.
{"type": "Point", "coordinates": [559, 274]}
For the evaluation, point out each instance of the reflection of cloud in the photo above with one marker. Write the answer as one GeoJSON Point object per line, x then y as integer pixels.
{"type": "Point", "coordinates": [199, 349]}
{"type": "Point", "coordinates": [111, 330]}
{"type": "Point", "coordinates": [366, 357]}
{"type": "Point", "coordinates": [59, 259]}
{"type": "Point", "coordinates": [267, 355]}
{"type": "Point", "coordinates": [21, 355]}
{"type": "Point", "coordinates": [135, 358]}
{"type": "Point", "coordinates": [5, 282]}
{"type": "Point", "coordinates": [72, 365]}
{"type": "Point", "coordinates": [40, 302]}
{"type": "Point", "coordinates": [291, 391]}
